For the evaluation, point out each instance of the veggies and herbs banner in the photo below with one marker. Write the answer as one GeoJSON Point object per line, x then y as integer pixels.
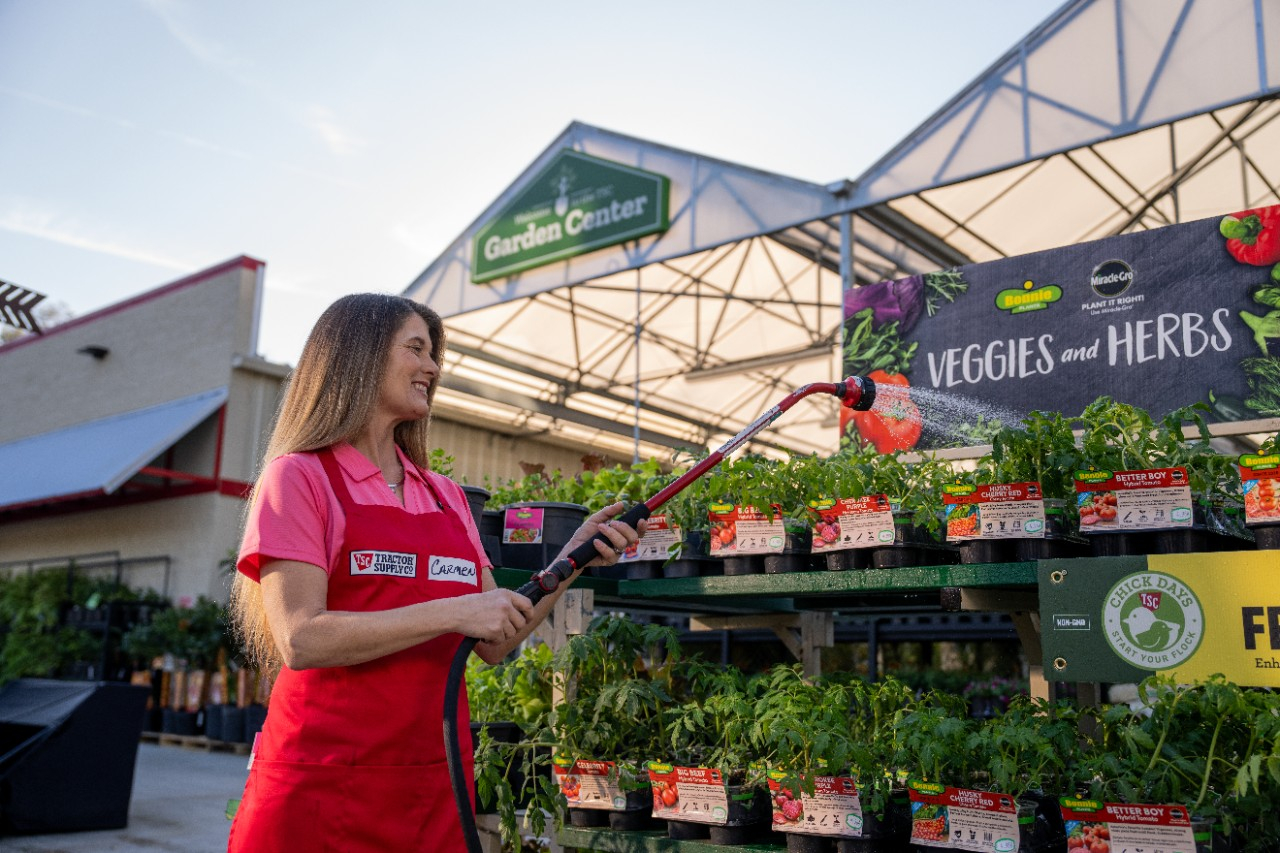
{"type": "Point", "coordinates": [1158, 319]}
{"type": "Point", "coordinates": [1174, 614]}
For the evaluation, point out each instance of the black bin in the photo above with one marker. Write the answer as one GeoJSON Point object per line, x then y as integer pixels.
{"type": "Point", "coordinates": [67, 753]}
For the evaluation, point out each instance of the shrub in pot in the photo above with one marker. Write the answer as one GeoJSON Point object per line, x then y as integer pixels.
{"type": "Point", "coordinates": [1212, 747]}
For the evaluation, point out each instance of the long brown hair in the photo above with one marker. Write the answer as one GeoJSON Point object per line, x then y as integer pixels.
{"type": "Point", "coordinates": [330, 397]}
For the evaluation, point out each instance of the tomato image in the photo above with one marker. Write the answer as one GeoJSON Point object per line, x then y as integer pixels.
{"type": "Point", "coordinates": [1107, 512]}
{"type": "Point", "coordinates": [669, 796]}
{"type": "Point", "coordinates": [894, 422]}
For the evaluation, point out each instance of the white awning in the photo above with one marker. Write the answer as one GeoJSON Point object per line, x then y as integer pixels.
{"type": "Point", "coordinates": [97, 457]}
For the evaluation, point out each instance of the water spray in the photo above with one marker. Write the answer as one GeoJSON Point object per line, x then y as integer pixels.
{"type": "Point", "coordinates": [855, 392]}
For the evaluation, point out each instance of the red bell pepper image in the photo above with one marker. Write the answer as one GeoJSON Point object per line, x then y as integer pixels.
{"type": "Point", "coordinates": [1253, 236]}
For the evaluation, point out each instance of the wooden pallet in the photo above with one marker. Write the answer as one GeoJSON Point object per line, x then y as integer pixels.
{"type": "Point", "coordinates": [196, 742]}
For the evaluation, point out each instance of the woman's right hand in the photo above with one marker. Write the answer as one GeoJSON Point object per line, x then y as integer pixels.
{"type": "Point", "coordinates": [494, 616]}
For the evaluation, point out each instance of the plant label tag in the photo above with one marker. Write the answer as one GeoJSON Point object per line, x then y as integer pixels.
{"type": "Point", "coordinates": [657, 542]}
{"type": "Point", "coordinates": [994, 511]}
{"type": "Point", "coordinates": [1260, 485]}
{"type": "Point", "coordinates": [963, 819]}
{"type": "Point", "coordinates": [1118, 501]}
{"type": "Point", "coordinates": [522, 525]}
{"type": "Point", "coordinates": [696, 794]}
{"type": "Point", "coordinates": [865, 522]}
{"type": "Point", "coordinates": [1124, 826]}
{"type": "Point", "coordinates": [737, 529]}
{"type": "Point", "coordinates": [832, 809]}
{"type": "Point", "coordinates": [589, 784]}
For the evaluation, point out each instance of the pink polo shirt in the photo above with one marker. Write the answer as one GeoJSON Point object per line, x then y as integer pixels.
{"type": "Point", "coordinates": [297, 517]}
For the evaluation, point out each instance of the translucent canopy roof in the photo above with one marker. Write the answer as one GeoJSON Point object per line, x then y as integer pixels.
{"type": "Point", "coordinates": [1112, 116]}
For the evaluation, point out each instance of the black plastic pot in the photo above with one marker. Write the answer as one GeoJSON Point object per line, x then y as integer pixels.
{"type": "Point", "coordinates": [476, 498]}
{"type": "Point", "coordinates": [559, 522]}
{"type": "Point", "coordinates": [744, 564]}
{"type": "Point", "coordinates": [687, 830]}
{"type": "Point", "coordinates": [588, 817]}
{"type": "Point", "coordinates": [184, 723]}
{"type": "Point", "coordinates": [254, 718]}
{"type": "Point", "coordinates": [213, 722]}
{"type": "Point", "coordinates": [690, 567]}
{"type": "Point", "coordinates": [232, 724]}
{"type": "Point", "coordinates": [694, 559]}
{"type": "Point", "coordinates": [912, 546]}
{"type": "Point", "coordinates": [1267, 536]}
{"type": "Point", "coordinates": [794, 556]}
{"type": "Point", "coordinates": [1050, 548]}
{"type": "Point", "coordinates": [987, 551]}
{"type": "Point", "coordinates": [848, 559]}
{"type": "Point", "coordinates": [643, 570]}
{"type": "Point", "coordinates": [799, 842]}
{"type": "Point", "coordinates": [633, 820]}
{"type": "Point", "coordinates": [1120, 544]}
{"type": "Point", "coordinates": [491, 534]}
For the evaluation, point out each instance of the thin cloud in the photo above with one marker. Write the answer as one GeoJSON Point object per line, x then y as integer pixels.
{"type": "Point", "coordinates": [322, 122]}
{"type": "Point", "coordinates": [41, 225]}
{"type": "Point", "coordinates": [205, 50]}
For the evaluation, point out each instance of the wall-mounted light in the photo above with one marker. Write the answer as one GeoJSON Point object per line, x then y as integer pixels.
{"type": "Point", "coordinates": [98, 353]}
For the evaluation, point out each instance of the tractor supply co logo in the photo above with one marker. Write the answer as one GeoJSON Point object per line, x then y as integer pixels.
{"type": "Point", "coordinates": [391, 563]}
{"type": "Point", "coordinates": [451, 569]}
{"type": "Point", "coordinates": [1028, 298]}
{"type": "Point", "coordinates": [1153, 620]}
{"type": "Point", "coordinates": [575, 205]}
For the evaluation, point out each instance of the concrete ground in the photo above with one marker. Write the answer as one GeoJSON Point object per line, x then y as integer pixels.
{"type": "Point", "coordinates": [179, 804]}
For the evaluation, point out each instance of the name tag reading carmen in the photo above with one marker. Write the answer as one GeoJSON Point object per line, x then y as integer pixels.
{"type": "Point", "coordinates": [390, 563]}
{"type": "Point", "coordinates": [451, 569]}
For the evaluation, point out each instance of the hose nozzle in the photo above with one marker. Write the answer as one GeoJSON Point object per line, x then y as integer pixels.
{"type": "Point", "coordinates": [859, 393]}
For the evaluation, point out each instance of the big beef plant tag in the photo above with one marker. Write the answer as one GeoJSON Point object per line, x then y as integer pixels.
{"type": "Point", "coordinates": [522, 525]}
{"type": "Point", "coordinates": [657, 542]}
{"type": "Point", "coordinates": [1095, 825]}
{"type": "Point", "coordinates": [963, 819]}
{"type": "Point", "coordinates": [586, 784]}
{"type": "Point", "coordinates": [1118, 501]}
{"type": "Point", "coordinates": [832, 809]}
{"type": "Point", "coordinates": [738, 529]}
{"type": "Point", "coordinates": [845, 523]}
{"type": "Point", "coordinates": [1260, 485]}
{"type": "Point", "coordinates": [696, 794]}
{"type": "Point", "coordinates": [993, 511]}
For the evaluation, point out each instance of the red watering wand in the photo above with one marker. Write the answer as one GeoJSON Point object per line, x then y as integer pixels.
{"type": "Point", "coordinates": [854, 392]}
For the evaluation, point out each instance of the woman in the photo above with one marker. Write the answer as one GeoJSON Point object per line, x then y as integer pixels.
{"type": "Point", "coordinates": [359, 574]}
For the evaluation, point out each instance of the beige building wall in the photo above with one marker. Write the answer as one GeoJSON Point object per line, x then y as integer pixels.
{"type": "Point", "coordinates": [192, 335]}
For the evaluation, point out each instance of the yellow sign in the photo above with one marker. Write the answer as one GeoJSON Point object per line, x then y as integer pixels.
{"type": "Point", "coordinates": [1238, 594]}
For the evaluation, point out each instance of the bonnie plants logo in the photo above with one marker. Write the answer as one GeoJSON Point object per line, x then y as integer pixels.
{"type": "Point", "coordinates": [1020, 300]}
{"type": "Point", "coordinates": [1111, 278]}
{"type": "Point", "coordinates": [1153, 620]}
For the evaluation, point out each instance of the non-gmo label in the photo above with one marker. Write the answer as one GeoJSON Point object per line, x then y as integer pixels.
{"type": "Point", "coordinates": [1072, 622]}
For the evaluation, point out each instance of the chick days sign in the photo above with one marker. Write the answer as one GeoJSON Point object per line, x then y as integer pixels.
{"type": "Point", "coordinates": [1124, 618]}
{"type": "Point", "coordinates": [575, 205]}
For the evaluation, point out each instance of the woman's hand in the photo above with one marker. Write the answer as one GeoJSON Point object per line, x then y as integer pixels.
{"type": "Point", "coordinates": [494, 616]}
{"type": "Point", "coordinates": [619, 536]}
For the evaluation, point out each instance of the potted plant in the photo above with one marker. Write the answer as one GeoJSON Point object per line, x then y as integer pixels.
{"type": "Point", "coordinates": [1262, 499]}
{"type": "Point", "coordinates": [540, 515]}
{"type": "Point", "coordinates": [915, 491]}
{"type": "Point", "coordinates": [1209, 747]}
{"type": "Point", "coordinates": [713, 745]}
{"type": "Point", "coordinates": [630, 485]}
{"type": "Point", "coordinates": [687, 511]}
{"type": "Point", "coordinates": [1120, 437]}
{"type": "Point", "coordinates": [509, 703]}
{"type": "Point", "coordinates": [1041, 449]}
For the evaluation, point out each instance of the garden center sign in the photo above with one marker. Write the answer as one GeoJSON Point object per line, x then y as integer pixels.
{"type": "Point", "coordinates": [1158, 319]}
{"type": "Point", "coordinates": [577, 204]}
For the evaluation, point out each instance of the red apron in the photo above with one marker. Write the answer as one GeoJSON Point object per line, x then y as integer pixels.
{"type": "Point", "coordinates": [351, 758]}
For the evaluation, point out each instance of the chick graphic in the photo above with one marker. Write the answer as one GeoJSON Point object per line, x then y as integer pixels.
{"type": "Point", "coordinates": [1150, 633]}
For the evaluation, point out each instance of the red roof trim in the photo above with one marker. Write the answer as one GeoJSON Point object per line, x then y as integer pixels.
{"type": "Point", "coordinates": [241, 262]}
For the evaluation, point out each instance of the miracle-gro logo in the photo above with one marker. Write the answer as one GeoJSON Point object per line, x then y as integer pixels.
{"type": "Point", "coordinates": [1028, 297]}
{"type": "Point", "coordinates": [1153, 620]}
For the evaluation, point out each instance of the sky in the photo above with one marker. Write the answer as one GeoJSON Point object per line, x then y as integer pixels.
{"type": "Point", "coordinates": [347, 144]}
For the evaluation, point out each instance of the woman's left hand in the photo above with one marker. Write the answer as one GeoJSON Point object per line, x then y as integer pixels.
{"type": "Point", "coordinates": [619, 536]}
